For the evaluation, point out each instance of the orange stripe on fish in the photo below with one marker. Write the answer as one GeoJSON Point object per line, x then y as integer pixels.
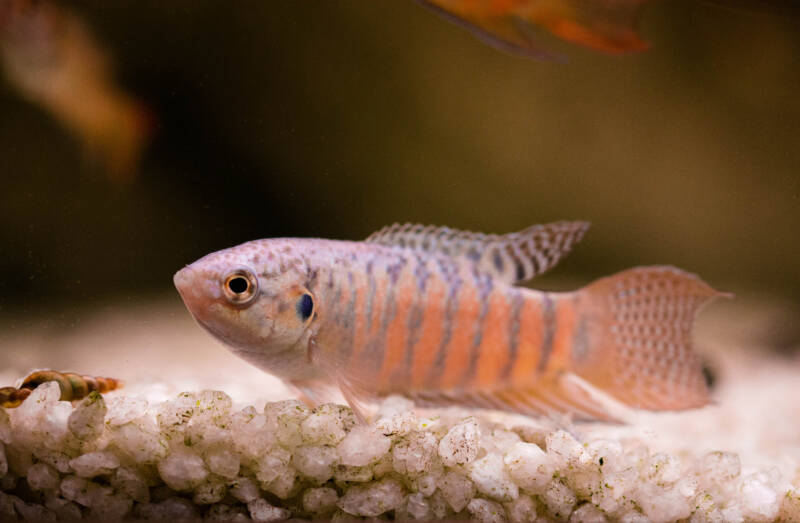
{"type": "Point", "coordinates": [424, 352]}
{"type": "Point", "coordinates": [493, 352]}
{"type": "Point", "coordinates": [457, 352]}
{"type": "Point", "coordinates": [563, 331]}
{"type": "Point", "coordinates": [395, 340]}
{"type": "Point", "coordinates": [531, 339]}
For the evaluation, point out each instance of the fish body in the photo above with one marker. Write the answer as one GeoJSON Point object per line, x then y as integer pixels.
{"type": "Point", "coordinates": [52, 58]}
{"type": "Point", "coordinates": [433, 314]}
{"type": "Point", "coordinates": [604, 25]}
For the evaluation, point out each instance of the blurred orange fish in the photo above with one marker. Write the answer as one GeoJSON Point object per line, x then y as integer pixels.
{"type": "Point", "coordinates": [605, 25]}
{"type": "Point", "coordinates": [434, 314]}
{"type": "Point", "coordinates": [53, 60]}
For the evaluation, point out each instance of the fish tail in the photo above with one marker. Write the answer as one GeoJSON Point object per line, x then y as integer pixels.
{"type": "Point", "coordinates": [632, 337]}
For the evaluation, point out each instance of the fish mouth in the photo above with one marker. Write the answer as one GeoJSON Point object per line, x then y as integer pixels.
{"type": "Point", "coordinates": [195, 289]}
{"type": "Point", "coordinates": [183, 281]}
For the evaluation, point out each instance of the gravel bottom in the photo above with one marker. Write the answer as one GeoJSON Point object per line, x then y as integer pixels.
{"type": "Point", "coordinates": [196, 456]}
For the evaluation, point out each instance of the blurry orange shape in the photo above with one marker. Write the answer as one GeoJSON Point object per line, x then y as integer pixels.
{"type": "Point", "coordinates": [604, 25]}
{"type": "Point", "coordinates": [52, 59]}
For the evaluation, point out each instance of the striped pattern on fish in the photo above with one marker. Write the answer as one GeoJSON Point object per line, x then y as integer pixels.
{"type": "Point", "coordinates": [432, 313]}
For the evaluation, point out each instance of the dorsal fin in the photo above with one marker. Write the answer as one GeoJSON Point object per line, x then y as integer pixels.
{"type": "Point", "coordinates": [512, 258]}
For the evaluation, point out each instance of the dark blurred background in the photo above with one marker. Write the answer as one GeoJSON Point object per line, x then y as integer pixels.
{"type": "Point", "coordinates": [334, 118]}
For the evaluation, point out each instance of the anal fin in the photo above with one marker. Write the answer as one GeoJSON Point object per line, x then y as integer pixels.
{"type": "Point", "coordinates": [553, 396]}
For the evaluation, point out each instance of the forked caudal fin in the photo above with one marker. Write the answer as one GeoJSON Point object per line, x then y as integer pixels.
{"type": "Point", "coordinates": [633, 337]}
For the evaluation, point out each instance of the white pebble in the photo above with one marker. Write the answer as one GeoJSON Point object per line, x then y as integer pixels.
{"type": "Point", "coordinates": [287, 417]}
{"type": "Point", "coordinates": [664, 469]}
{"type": "Point", "coordinates": [417, 507]}
{"type": "Point", "coordinates": [260, 510]}
{"type": "Point", "coordinates": [124, 409]}
{"type": "Point", "coordinates": [717, 468]}
{"type": "Point", "coordinates": [565, 451]}
{"type": "Point", "coordinates": [461, 443]}
{"type": "Point", "coordinates": [140, 440]}
{"type": "Point", "coordinates": [245, 489]}
{"type": "Point", "coordinates": [587, 513]}
{"type": "Point", "coordinates": [251, 434]}
{"type": "Point", "coordinates": [759, 500]}
{"type": "Point", "coordinates": [502, 440]}
{"type": "Point", "coordinates": [363, 446]}
{"type": "Point", "coordinates": [521, 510]}
{"type": "Point", "coordinates": [84, 492]}
{"type": "Point", "coordinates": [559, 499]}
{"type": "Point", "coordinates": [414, 454]}
{"type": "Point", "coordinates": [426, 484]}
{"type": "Point", "coordinates": [457, 490]}
{"type": "Point", "coordinates": [94, 464]}
{"type": "Point", "coordinates": [183, 469]}
{"type": "Point", "coordinates": [662, 504]}
{"type": "Point", "coordinates": [43, 477]}
{"type": "Point", "coordinates": [131, 483]}
{"type": "Point", "coordinates": [373, 499]}
{"type": "Point", "coordinates": [320, 501]}
{"type": "Point", "coordinates": [491, 478]}
{"type": "Point", "coordinates": [528, 466]}
{"type": "Point", "coordinates": [315, 463]}
{"type": "Point", "coordinates": [86, 420]}
{"type": "Point", "coordinates": [486, 511]}
{"type": "Point", "coordinates": [223, 462]}
{"type": "Point", "coordinates": [274, 472]}
{"type": "Point", "coordinates": [327, 424]}
{"type": "Point", "coordinates": [57, 460]}
{"type": "Point", "coordinates": [173, 415]}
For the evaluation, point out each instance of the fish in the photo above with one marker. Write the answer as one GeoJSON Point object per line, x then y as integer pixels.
{"type": "Point", "coordinates": [52, 59]}
{"type": "Point", "coordinates": [437, 315]}
{"type": "Point", "coordinates": [609, 26]}
{"type": "Point", "coordinates": [73, 386]}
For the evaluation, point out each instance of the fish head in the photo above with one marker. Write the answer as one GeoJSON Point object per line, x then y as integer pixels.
{"type": "Point", "coordinates": [253, 298]}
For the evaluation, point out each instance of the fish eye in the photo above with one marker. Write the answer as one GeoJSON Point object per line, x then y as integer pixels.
{"type": "Point", "coordinates": [305, 306]}
{"type": "Point", "coordinates": [238, 284]}
{"type": "Point", "coordinates": [240, 287]}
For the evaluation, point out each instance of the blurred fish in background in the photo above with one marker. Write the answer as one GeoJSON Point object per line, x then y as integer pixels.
{"type": "Point", "coordinates": [604, 25]}
{"type": "Point", "coordinates": [49, 55]}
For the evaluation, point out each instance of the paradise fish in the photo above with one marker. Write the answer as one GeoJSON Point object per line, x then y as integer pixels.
{"type": "Point", "coordinates": [51, 57]}
{"type": "Point", "coordinates": [433, 313]}
{"type": "Point", "coordinates": [604, 25]}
